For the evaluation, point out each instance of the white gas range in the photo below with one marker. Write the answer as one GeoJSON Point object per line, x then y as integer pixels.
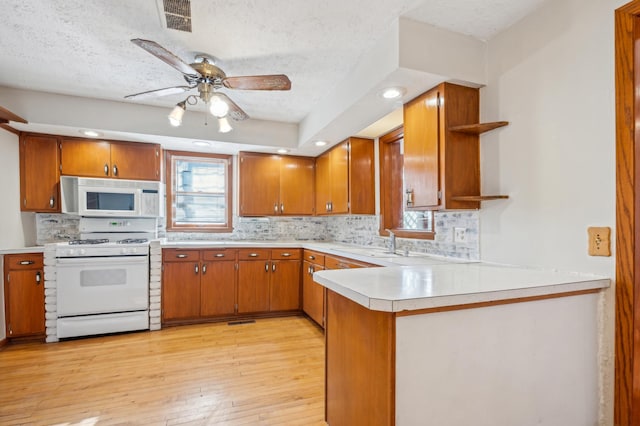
{"type": "Point", "coordinates": [103, 277]}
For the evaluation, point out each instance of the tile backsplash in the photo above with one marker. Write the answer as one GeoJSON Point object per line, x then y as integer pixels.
{"type": "Point", "coordinates": [350, 229]}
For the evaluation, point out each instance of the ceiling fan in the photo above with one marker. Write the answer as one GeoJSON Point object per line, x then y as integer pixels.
{"type": "Point", "coordinates": [207, 78]}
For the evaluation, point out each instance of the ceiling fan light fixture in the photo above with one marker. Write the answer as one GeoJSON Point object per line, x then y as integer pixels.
{"type": "Point", "coordinates": [175, 116]}
{"type": "Point", "coordinates": [223, 125]}
{"type": "Point", "coordinates": [218, 107]}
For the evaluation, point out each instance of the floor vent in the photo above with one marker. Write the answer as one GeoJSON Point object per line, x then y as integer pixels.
{"type": "Point", "coordinates": [241, 322]}
{"type": "Point", "coordinates": [178, 14]}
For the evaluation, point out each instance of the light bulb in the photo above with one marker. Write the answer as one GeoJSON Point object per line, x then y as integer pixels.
{"type": "Point", "coordinates": [223, 125]}
{"type": "Point", "coordinates": [175, 117]}
{"type": "Point", "coordinates": [218, 106]}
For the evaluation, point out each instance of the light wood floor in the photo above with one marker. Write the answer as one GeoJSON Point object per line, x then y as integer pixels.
{"type": "Point", "coordinates": [267, 373]}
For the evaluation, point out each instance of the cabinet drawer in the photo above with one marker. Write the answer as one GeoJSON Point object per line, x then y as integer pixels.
{"type": "Point", "coordinates": [336, 262]}
{"type": "Point", "coordinates": [23, 261]}
{"type": "Point", "coordinates": [253, 254]}
{"type": "Point", "coordinates": [314, 257]}
{"type": "Point", "coordinates": [285, 254]}
{"type": "Point", "coordinates": [180, 255]}
{"type": "Point", "coordinates": [220, 254]}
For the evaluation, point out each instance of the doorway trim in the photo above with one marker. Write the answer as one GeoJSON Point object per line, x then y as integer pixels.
{"type": "Point", "coordinates": [627, 316]}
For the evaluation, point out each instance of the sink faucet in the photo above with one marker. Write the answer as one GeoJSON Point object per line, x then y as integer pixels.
{"type": "Point", "coordinates": [392, 241]}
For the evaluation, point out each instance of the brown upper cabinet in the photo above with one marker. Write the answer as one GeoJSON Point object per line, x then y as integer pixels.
{"type": "Point", "coordinates": [441, 149]}
{"type": "Point", "coordinates": [39, 173]}
{"type": "Point", "coordinates": [345, 178]}
{"type": "Point", "coordinates": [110, 159]}
{"type": "Point", "coordinates": [273, 185]}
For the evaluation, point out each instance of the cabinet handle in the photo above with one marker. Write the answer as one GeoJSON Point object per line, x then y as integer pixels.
{"type": "Point", "coordinates": [52, 201]}
{"type": "Point", "coordinates": [181, 256]}
{"type": "Point", "coordinates": [275, 207]}
{"type": "Point", "coordinates": [106, 169]}
{"type": "Point", "coordinates": [38, 278]}
{"type": "Point", "coordinates": [330, 206]}
{"type": "Point", "coordinates": [311, 270]}
{"type": "Point", "coordinates": [312, 257]}
{"type": "Point", "coordinates": [409, 197]}
{"type": "Point", "coordinates": [282, 208]}
{"type": "Point", "coordinates": [196, 268]}
{"type": "Point", "coordinates": [253, 254]}
{"type": "Point", "coordinates": [27, 262]}
{"type": "Point", "coordinates": [266, 266]}
{"type": "Point", "coordinates": [273, 267]}
{"type": "Point", "coordinates": [115, 170]}
{"type": "Point", "coordinates": [219, 254]}
{"type": "Point", "coordinates": [204, 269]}
{"type": "Point", "coordinates": [326, 207]}
{"type": "Point", "coordinates": [286, 254]}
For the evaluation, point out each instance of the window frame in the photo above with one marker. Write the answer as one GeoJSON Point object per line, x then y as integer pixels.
{"type": "Point", "coordinates": [170, 225]}
{"type": "Point", "coordinates": [384, 143]}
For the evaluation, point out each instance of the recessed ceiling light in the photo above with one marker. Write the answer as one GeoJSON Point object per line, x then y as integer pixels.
{"type": "Point", "coordinates": [320, 143]}
{"type": "Point", "coordinates": [282, 151]}
{"type": "Point", "coordinates": [91, 133]}
{"type": "Point", "coordinates": [201, 143]}
{"type": "Point", "coordinates": [393, 92]}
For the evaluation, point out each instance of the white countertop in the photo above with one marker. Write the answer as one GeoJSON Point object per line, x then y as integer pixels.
{"type": "Point", "coordinates": [403, 288]}
{"type": "Point", "coordinates": [35, 249]}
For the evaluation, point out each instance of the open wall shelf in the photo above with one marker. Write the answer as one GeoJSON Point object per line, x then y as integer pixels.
{"type": "Point", "coordinates": [476, 129]}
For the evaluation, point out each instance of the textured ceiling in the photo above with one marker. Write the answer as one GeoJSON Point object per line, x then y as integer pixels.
{"type": "Point", "coordinates": [82, 47]}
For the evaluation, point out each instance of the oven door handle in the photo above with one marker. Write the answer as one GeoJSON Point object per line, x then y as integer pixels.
{"type": "Point", "coordinates": [104, 260]}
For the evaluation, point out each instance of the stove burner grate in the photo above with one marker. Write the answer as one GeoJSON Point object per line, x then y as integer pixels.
{"type": "Point", "coordinates": [133, 241]}
{"type": "Point", "coordinates": [89, 241]}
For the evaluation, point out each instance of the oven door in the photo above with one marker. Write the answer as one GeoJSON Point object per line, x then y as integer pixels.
{"type": "Point", "coordinates": [97, 285]}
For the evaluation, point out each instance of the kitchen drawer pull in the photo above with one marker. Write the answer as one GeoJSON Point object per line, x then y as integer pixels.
{"type": "Point", "coordinates": [219, 254]}
{"type": "Point", "coordinates": [196, 268]}
{"type": "Point", "coordinates": [312, 257]}
{"type": "Point", "coordinates": [38, 277]}
{"type": "Point", "coordinates": [27, 262]}
{"type": "Point", "coordinates": [286, 254]}
{"type": "Point", "coordinates": [181, 256]}
{"type": "Point", "coordinates": [253, 254]}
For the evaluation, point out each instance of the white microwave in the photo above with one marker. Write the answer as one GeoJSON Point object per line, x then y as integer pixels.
{"type": "Point", "coordinates": [110, 197]}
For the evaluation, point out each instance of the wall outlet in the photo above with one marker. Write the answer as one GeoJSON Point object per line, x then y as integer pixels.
{"type": "Point", "coordinates": [599, 241]}
{"type": "Point", "coordinates": [459, 235]}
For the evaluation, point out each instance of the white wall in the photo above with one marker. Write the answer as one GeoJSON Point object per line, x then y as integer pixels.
{"type": "Point", "coordinates": [552, 77]}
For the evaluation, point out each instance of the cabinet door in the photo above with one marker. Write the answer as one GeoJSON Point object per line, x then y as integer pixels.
{"type": "Point", "coordinates": [421, 151]}
{"type": "Point", "coordinates": [39, 173]}
{"type": "Point", "coordinates": [297, 176]}
{"type": "Point", "coordinates": [340, 178]}
{"type": "Point", "coordinates": [312, 294]}
{"type": "Point", "coordinates": [180, 290]}
{"type": "Point", "coordinates": [88, 158]}
{"type": "Point", "coordinates": [323, 183]}
{"type": "Point", "coordinates": [218, 288]}
{"type": "Point", "coordinates": [285, 285]}
{"type": "Point", "coordinates": [259, 185]}
{"type": "Point", "coordinates": [25, 303]}
{"type": "Point", "coordinates": [138, 161]}
{"type": "Point", "coordinates": [253, 286]}
{"type": "Point", "coordinates": [362, 198]}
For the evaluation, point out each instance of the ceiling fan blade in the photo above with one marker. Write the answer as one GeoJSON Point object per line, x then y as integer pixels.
{"type": "Point", "coordinates": [163, 54]}
{"type": "Point", "coordinates": [235, 111]}
{"type": "Point", "coordinates": [159, 92]}
{"type": "Point", "coordinates": [258, 82]}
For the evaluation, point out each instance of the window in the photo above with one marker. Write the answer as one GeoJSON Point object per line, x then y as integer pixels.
{"type": "Point", "coordinates": [198, 192]}
{"type": "Point", "coordinates": [403, 222]}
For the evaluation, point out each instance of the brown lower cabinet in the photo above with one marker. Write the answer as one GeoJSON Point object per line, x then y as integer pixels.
{"type": "Point", "coordinates": [24, 295]}
{"type": "Point", "coordinates": [210, 283]}
{"type": "Point", "coordinates": [313, 294]}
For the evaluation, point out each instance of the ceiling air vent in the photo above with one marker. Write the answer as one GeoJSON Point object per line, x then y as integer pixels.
{"type": "Point", "coordinates": [178, 14]}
